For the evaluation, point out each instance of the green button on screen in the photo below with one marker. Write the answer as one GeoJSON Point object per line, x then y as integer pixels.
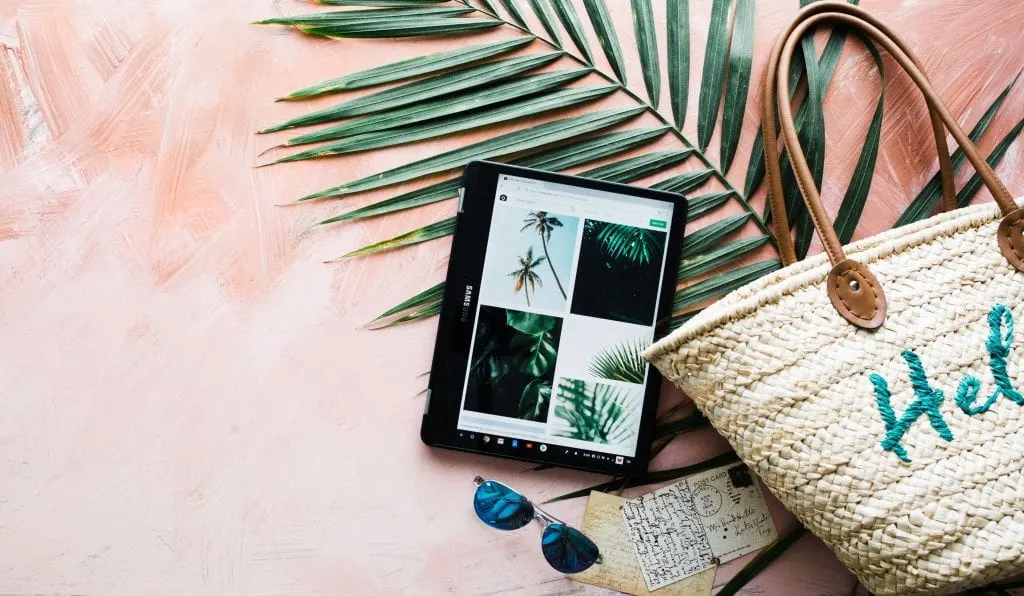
{"type": "Point", "coordinates": [658, 223]}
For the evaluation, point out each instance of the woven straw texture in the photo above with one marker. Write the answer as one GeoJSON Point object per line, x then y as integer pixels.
{"type": "Point", "coordinates": [786, 380]}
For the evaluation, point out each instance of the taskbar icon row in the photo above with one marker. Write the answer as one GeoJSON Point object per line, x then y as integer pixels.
{"type": "Point", "coordinates": [509, 444]}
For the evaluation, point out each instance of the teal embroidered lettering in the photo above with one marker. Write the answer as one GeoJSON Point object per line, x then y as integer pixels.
{"type": "Point", "coordinates": [998, 345]}
{"type": "Point", "coordinates": [927, 403]}
{"type": "Point", "coordinates": [928, 400]}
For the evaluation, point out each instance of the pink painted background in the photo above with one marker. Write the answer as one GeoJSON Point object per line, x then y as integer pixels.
{"type": "Point", "coordinates": [189, 402]}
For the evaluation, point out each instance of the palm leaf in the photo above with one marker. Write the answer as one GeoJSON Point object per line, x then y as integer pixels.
{"type": "Point", "coordinates": [400, 28]}
{"type": "Point", "coordinates": [722, 284]}
{"type": "Point", "coordinates": [860, 184]}
{"type": "Point", "coordinates": [431, 88]}
{"type": "Point", "coordinates": [438, 229]}
{"type": "Point", "coordinates": [489, 6]}
{"type": "Point", "coordinates": [698, 242]}
{"type": "Point", "coordinates": [674, 428]}
{"type": "Point", "coordinates": [638, 245]}
{"type": "Point", "coordinates": [413, 67]}
{"type": "Point", "coordinates": [707, 202]}
{"type": "Point", "coordinates": [685, 181]}
{"type": "Point", "coordinates": [595, 412]}
{"type": "Point", "coordinates": [826, 64]}
{"type": "Point", "coordinates": [812, 141]}
{"type": "Point", "coordinates": [441, 107]}
{"type": "Point", "coordinates": [716, 53]}
{"type": "Point", "coordinates": [431, 130]}
{"type": "Point", "coordinates": [621, 362]}
{"type": "Point", "coordinates": [737, 80]}
{"type": "Point", "coordinates": [433, 193]}
{"type": "Point", "coordinates": [546, 20]}
{"type": "Point", "coordinates": [571, 22]}
{"type": "Point", "coordinates": [635, 168]}
{"type": "Point", "coordinates": [720, 256]}
{"type": "Point", "coordinates": [606, 36]}
{"type": "Point", "coordinates": [678, 25]}
{"type": "Point", "coordinates": [963, 198]}
{"type": "Point", "coordinates": [344, 17]}
{"type": "Point", "coordinates": [426, 311]}
{"type": "Point", "coordinates": [647, 45]}
{"type": "Point", "coordinates": [426, 297]}
{"type": "Point", "coordinates": [514, 12]}
{"type": "Point", "coordinates": [761, 561]}
{"type": "Point", "coordinates": [568, 156]}
{"type": "Point", "coordinates": [557, 160]}
{"type": "Point", "coordinates": [520, 140]}
{"type": "Point", "coordinates": [926, 200]}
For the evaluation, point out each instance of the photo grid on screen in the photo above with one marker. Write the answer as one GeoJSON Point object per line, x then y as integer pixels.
{"type": "Point", "coordinates": [567, 302]}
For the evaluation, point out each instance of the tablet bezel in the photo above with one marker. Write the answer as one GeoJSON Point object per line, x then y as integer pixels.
{"type": "Point", "coordinates": [458, 311]}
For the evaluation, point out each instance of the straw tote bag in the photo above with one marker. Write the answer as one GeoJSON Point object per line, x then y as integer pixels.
{"type": "Point", "coordinates": [877, 388]}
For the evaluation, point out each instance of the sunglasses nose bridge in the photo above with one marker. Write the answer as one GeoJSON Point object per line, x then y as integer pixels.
{"type": "Point", "coordinates": [543, 517]}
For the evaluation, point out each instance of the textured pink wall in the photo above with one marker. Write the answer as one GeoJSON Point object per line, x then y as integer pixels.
{"type": "Point", "coordinates": [188, 400]}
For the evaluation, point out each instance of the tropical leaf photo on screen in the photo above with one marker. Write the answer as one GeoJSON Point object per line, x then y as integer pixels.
{"type": "Point", "coordinates": [513, 364]}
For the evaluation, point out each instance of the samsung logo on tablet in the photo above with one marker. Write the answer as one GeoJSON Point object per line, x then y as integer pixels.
{"type": "Point", "coordinates": [467, 299]}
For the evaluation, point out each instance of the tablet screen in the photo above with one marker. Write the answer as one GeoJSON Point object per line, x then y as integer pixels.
{"type": "Point", "coordinates": [567, 300]}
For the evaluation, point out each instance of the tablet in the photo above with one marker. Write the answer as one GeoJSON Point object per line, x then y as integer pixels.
{"type": "Point", "coordinates": [554, 286]}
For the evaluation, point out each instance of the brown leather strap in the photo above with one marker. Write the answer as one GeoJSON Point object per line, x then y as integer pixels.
{"type": "Point", "coordinates": [852, 288]}
{"type": "Point", "coordinates": [855, 17]}
{"type": "Point", "coordinates": [768, 108]}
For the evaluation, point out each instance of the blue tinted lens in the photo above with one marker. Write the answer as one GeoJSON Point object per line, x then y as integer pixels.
{"type": "Point", "coordinates": [567, 549]}
{"type": "Point", "coordinates": [501, 507]}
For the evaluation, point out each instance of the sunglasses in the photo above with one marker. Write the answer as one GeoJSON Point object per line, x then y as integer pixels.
{"type": "Point", "coordinates": [565, 548]}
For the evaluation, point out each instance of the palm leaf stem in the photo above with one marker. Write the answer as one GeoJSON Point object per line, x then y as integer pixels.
{"type": "Point", "coordinates": [716, 171]}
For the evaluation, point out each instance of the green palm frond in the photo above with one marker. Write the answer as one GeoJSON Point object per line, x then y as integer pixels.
{"type": "Point", "coordinates": [419, 112]}
{"type": "Point", "coordinates": [431, 90]}
{"type": "Point", "coordinates": [647, 47]}
{"type": "Point", "coordinates": [638, 245]}
{"type": "Point", "coordinates": [621, 362]}
{"type": "Point", "coordinates": [373, 15]}
{"type": "Point", "coordinates": [413, 67]}
{"type": "Point", "coordinates": [486, 82]}
{"type": "Point", "coordinates": [596, 412]}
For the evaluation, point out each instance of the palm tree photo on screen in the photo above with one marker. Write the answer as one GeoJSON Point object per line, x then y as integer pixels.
{"type": "Point", "coordinates": [544, 223]}
{"type": "Point", "coordinates": [529, 259]}
{"type": "Point", "coordinates": [525, 277]}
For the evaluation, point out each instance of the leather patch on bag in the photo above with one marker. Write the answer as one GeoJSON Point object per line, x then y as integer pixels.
{"type": "Point", "coordinates": [856, 294]}
{"type": "Point", "coordinates": [1011, 238]}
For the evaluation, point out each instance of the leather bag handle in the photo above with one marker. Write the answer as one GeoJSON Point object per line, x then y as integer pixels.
{"type": "Point", "coordinates": [938, 129]}
{"type": "Point", "coordinates": [852, 288]}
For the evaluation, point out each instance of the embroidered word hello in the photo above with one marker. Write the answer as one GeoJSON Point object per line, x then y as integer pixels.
{"type": "Point", "coordinates": [928, 400]}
